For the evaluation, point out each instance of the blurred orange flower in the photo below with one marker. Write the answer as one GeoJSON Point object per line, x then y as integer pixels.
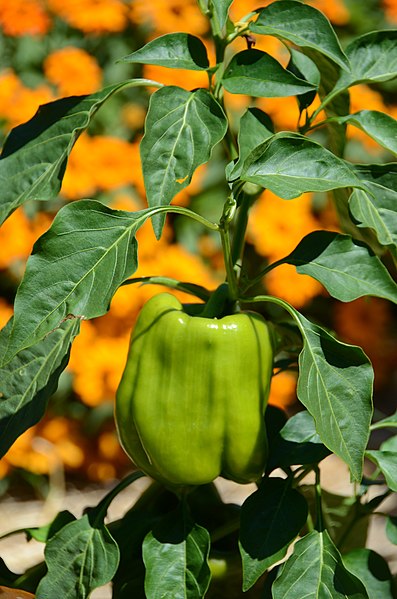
{"type": "Point", "coordinates": [283, 389]}
{"type": "Point", "coordinates": [163, 16]}
{"type": "Point", "coordinates": [92, 16]}
{"type": "Point", "coordinates": [24, 17]}
{"type": "Point", "coordinates": [73, 71]}
{"type": "Point", "coordinates": [19, 103]}
{"type": "Point", "coordinates": [390, 8]}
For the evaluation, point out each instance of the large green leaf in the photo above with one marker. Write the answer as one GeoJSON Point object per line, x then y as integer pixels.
{"type": "Point", "coordinates": [35, 154]}
{"type": "Point", "coordinates": [81, 557]}
{"type": "Point", "coordinates": [303, 25]}
{"type": "Point", "coordinates": [30, 378]}
{"type": "Point", "coordinates": [315, 570]}
{"type": "Point", "coordinates": [372, 570]}
{"type": "Point", "coordinates": [347, 268]}
{"type": "Point", "coordinates": [372, 57]}
{"type": "Point", "coordinates": [335, 385]}
{"type": "Point", "coordinates": [75, 269]}
{"type": "Point", "coordinates": [290, 165]}
{"type": "Point", "coordinates": [258, 74]}
{"type": "Point", "coordinates": [378, 125]}
{"type": "Point", "coordinates": [173, 50]}
{"type": "Point", "coordinates": [387, 463]}
{"type": "Point", "coordinates": [255, 127]}
{"type": "Point", "coordinates": [175, 553]}
{"type": "Point", "coordinates": [181, 129]}
{"type": "Point", "coordinates": [271, 518]}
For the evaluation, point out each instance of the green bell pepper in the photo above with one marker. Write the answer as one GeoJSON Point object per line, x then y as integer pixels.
{"type": "Point", "coordinates": [190, 405]}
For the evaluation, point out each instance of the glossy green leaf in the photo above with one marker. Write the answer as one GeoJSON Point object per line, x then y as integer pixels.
{"type": "Point", "coordinates": [376, 211]}
{"type": "Point", "coordinates": [391, 529]}
{"type": "Point", "coordinates": [175, 554]}
{"type": "Point", "coordinates": [258, 74]}
{"type": "Point", "coordinates": [35, 154]}
{"type": "Point", "coordinates": [271, 518]}
{"type": "Point", "coordinates": [181, 130]}
{"type": "Point", "coordinates": [335, 385]}
{"type": "Point", "coordinates": [75, 269]}
{"type": "Point", "coordinates": [387, 463]}
{"type": "Point", "coordinates": [378, 125]}
{"type": "Point", "coordinates": [290, 165]}
{"type": "Point", "coordinates": [372, 57]}
{"type": "Point", "coordinates": [81, 557]}
{"type": "Point", "coordinates": [303, 25]}
{"type": "Point", "coordinates": [315, 570]}
{"type": "Point", "coordinates": [297, 443]}
{"type": "Point", "coordinates": [255, 127]}
{"type": "Point", "coordinates": [30, 378]}
{"type": "Point", "coordinates": [389, 422]}
{"type": "Point", "coordinates": [173, 50]}
{"type": "Point", "coordinates": [347, 268]}
{"type": "Point", "coordinates": [221, 9]}
{"type": "Point", "coordinates": [372, 570]}
{"type": "Point", "coordinates": [303, 67]}
{"type": "Point", "coordinates": [42, 534]}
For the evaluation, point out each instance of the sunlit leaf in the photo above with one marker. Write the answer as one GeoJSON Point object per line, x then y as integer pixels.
{"type": "Point", "coordinates": [255, 127]}
{"type": "Point", "coordinates": [376, 211]}
{"type": "Point", "coordinates": [221, 9]}
{"type": "Point", "coordinates": [387, 463]}
{"type": "Point", "coordinates": [173, 50]}
{"type": "Point", "coordinates": [372, 570]}
{"type": "Point", "coordinates": [378, 125]}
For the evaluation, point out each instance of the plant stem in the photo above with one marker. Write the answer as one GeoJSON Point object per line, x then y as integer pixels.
{"type": "Point", "coordinates": [319, 509]}
{"type": "Point", "coordinates": [224, 229]}
{"type": "Point", "coordinates": [186, 212]}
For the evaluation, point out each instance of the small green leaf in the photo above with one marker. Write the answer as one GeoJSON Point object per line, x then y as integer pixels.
{"type": "Point", "coordinates": [43, 533]}
{"type": "Point", "coordinates": [303, 67]}
{"type": "Point", "coordinates": [175, 554]}
{"type": "Point", "coordinates": [271, 518]}
{"type": "Point", "coordinates": [389, 422]}
{"type": "Point", "coordinates": [378, 125]}
{"type": "Point", "coordinates": [35, 154]}
{"type": "Point", "coordinates": [297, 443]}
{"type": "Point", "coordinates": [391, 529]}
{"type": "Point", "coordinates": [304, 26]}
{"type": "Point", "coordinates": [181, 130]}
{"type": "Point", "coordinates": [376, 212]}
{"type": "Point", "coordinates": [290, 165]}
{"type": "Point", "coordinates": [387, 463]}
{"type": "Point", "coordinates": [372, 57]}
{"type": "Point", "coordinates": [347, 268]}
{"type": "Point", "coordinates": [30, 378]}
{"type": "Point", "coordinates": [80, 557]}
{"type": "Point", "coordinates": [372, 570]}
{"type": "Point", "coordinates": [255, 127]}
{"type": "Point", "coordinates": [221, 9]}
{"type": "Point", "coordinates": [335, 385]}
{"type": "Point", "coordinates": [258, 74]}
{"type": "Point", "coordinates": [173, 50]}
{"type": "Point", "coordinates": [315, 570]}
{"type": "Point", "coordinates": [75, 269]}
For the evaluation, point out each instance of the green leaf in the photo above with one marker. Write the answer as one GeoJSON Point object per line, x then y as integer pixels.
{"type": "Point", "coordinates": [255, 127]}
{"type": "Point", "coordinates": [372, 570]}
{"type": "Point", "coordinates": [304, 26]}
{"type": "Point", "coordinates": [389, 422]}
{"type": "Point", "coordinates": [35, 154]}
{"type": "Point", "coordinates": [305, 68]}
{"type": "Point", "coordinates": [75, 269]}
{"type": "Point", "coordinates": [290, 165]}
{"type": "Point", "coordinates": [348, 269]}
{"type": "Point", "coordinates": [271, 518]}
{"type": "Point", "coordinates": [30, 378]}
{"type": "Point", "coordinates": [390, 444]}
{"type": "Point", "coordinates": [372, 57]}
{"type": "Point", "coordinates": [81, 557]}
{"type": "Point", "coordinates": [173, 50]}
{"type": "Point", "coordinates": [391, 529]}
{"type": "Point", "coordinates": [258, 74]}
{"type": "Point", "coordinates": [315, 570]}
{"type": "Point", "coordinates": [376, 212]}
{"type": "Point", "coordinates": [175, 554]}
{"type": "Point", "coordinates": [297, 443]}
{"type": "Point", "coordinates": [378, 125]}
{"type": "Point", "coordinates": [43, 533]}
{"type": "Point", "coordinates": [387, 463]}
{"type": "Point", "coordinates": [181, 130]}
{"type": "Point", "coordinates": [335, 385]}
{"type": "Point", "coordinates": [221, 9]}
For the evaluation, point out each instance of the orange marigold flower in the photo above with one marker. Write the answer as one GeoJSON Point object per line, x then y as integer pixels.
{"type": "Point", "coordinates": [24, 17]}
{"type": "Point", "coordinates": [19, 103]}
{"type": "Point", "coordinates": [16, 239]}
{"type": "Point", "coordinates": [5, 312]}
{"type": "Point", "coordinates": [286, 283]}
{"type": "Point", "coordinates": [92, 16]}
{"type": "Point", "coordinates": [282, 390]}
{"type": "Point", "coordinates": [390, 8]}
{"type": "Point", "coordinates": [335, 10]}
{"type": "Point", "coordinates": [168, 16]}
{"type": "Point", "coordinates": [73, 71]}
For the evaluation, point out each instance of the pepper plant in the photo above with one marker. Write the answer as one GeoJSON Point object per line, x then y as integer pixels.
{"type": "Point", "coordinates": [192, 401]}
